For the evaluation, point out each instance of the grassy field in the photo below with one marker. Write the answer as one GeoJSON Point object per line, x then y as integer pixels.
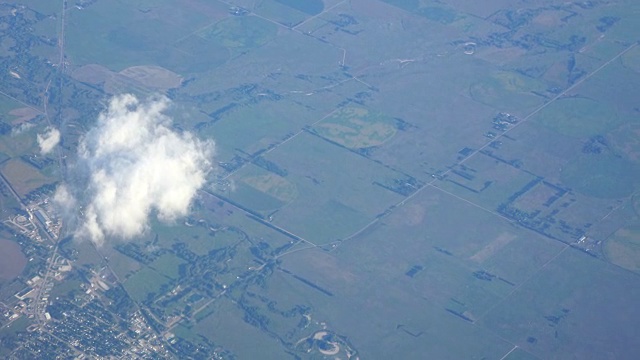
{"type": "Point", "coordinates": [168, 265]}
{"type": "Point", "coordinates": [414, 257]}
{"type": "Point", "coordinates": [20, 143]}
{"type": "Point", "coordinates": [336, 123]}
{"type": "Point", "coordinates": [261, 190]}
{"type": "Point", "coordinates": [283, 12]}
{"type": "Point", "coordinates": [240, 34]}
{"type": "Point", "coordinates": [100, 31]}
{"type": "Point", "coordinates": [623, 246]}
{"type": "Point", "coordinates": [331, 202]}
{"type": "Point", "coordinates": [225, 326]}
{"type": "Point", "coordinates": [571, 308]}
{"type": "Point", "coordinates": [578, 117]}
{"type": "Point", "coordinates": [253, 128]}
{"type": "Point", "coordinates": [145, 283]}
{"type": "Point", "coordinates": [602, 176]}
{"type": "Point", "coordinates": [485, 181]}
{"type": "Point", "coordinates": [507, 91]}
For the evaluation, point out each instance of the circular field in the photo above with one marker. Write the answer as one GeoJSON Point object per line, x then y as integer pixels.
{"type": "Point", "coordinates": [356, 128]}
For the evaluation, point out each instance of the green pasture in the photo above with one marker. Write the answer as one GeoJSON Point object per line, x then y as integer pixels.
{"type": "Point", "coordinates": [144, 282]}
{"type": "Point", "coordinates": [121, 34]}
{"type": "Point", "coordinates": [240, 34]}
{"type": "Point", "coordinates": [578, 117]}
{"type": "Point", "coordinates": [310, 7]}
{"type": "Point", "coordinates": [571, 308]}
{"type": "Point", "coordinates": [507, 90]}
{"type": "Point", "coordinates": [281, 12]}
{"type": "Point", "coordinates": [601, 175]}
{"type": "Point", "coordinates": [226, 327]}
{"type": "Point", "coordinates": [335, 187]}
{"type": "Point", "coordinates": [212, 241]}
{"type": "Point", "coordinates": [168, 265]}
{"type": "Point", "coordinates": [623, 247]}
{"type": "Point", "coordinates": [444, 15]}
{"type": "Point", "coordinates": [256, 127]}
{"type": "Point", "coordinates": [485, 181]}
{"type": "Point", "coordinates": [387, 300]}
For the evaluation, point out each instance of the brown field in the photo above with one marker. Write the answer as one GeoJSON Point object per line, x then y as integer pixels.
{"type": "Point", "coordinates": [135, 78]}
{"type": "Point", "coordinates": [153, 77]}
{"type": "Point", "coordinates": [498, 243]}
{"type": "Point", "coordinates": [23, 115]}
{"type": "Point", "coordinates": [12, 261]}
{"type": "Point", "coordinates": [23, 177]}
{"type": "Point", "coordinates": [92, 74]}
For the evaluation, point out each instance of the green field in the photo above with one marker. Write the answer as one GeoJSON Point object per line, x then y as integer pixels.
{"type": "Point", "coordinates": [145, 283]}
{"type": "Point", "coordinates": [261, 190]}
{"type": "Point", "coordinates": [168, 265]}
{"type": "Point", "coordinates": [105, 33]}
{"type": "Point", "coordinates": [225, 326]}
{"type": "Point", "coordinates": [623, 246]}
{"type": "Point", "coordinates": [282, 11]}
{"type": "Point", "coordinates": [240, 33]}
{"type": "Point", "coordinates": [485, 181]}
{"type": "Point", "coordinates": [311, 7]}
{"type": "Point", "coordinates": [578, 117]}
{"type": "Point", "coordinates": [253, 128]}
{"type": "Point", "coordinates": [394, 179]}
{"type": "Point", "coordinates": [601, 176]}
{"type": "Point", "coordinates": [507, 91]}
{"type": "Point", "coordinates": [331, 202]}
{"type": "Point", "coordinates": [567, 306]}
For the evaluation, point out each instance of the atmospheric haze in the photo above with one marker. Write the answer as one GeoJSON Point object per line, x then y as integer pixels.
{"type": "Point", "coordinates": [137, 166]}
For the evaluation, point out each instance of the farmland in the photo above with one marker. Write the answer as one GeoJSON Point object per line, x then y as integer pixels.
{"type": "Point", "coordinates": [390, 179]}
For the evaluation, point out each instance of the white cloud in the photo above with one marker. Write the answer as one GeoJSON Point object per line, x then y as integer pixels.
{"type": "Point", "coordinates": [48, 140]}
{"type": "Point", "coordinates": [138, 166]}
{"type": "Point", "coordinates": [21, 128]}
{"type": "Point", "coordinates": [63, 197]}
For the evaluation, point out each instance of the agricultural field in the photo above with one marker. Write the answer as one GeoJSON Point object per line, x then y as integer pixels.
{"type": "Point", "coordinates": [408, 179]}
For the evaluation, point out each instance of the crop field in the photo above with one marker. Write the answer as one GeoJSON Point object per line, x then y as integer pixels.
{"type": "Point", "coordinates": [508, 91]}
{"type": "Point", "coordinates": [581, 308]}
{"type": "Point", "coordinates": [97, 31]}
{"type": "Point", "coordinates": [250, 129]}
{"type": "Point", "coordinates": [225, 324]}
{"type": "Point", "coordinates": [240, 33]}
{"type": "Point", "coordinates": [357, 128]}
{"type": "Point", "coordinates": [340, 197]}
{"type": "Point", "coordinates": [485, 180]}
{"type": "Point", "coordinates": [579, 117]}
